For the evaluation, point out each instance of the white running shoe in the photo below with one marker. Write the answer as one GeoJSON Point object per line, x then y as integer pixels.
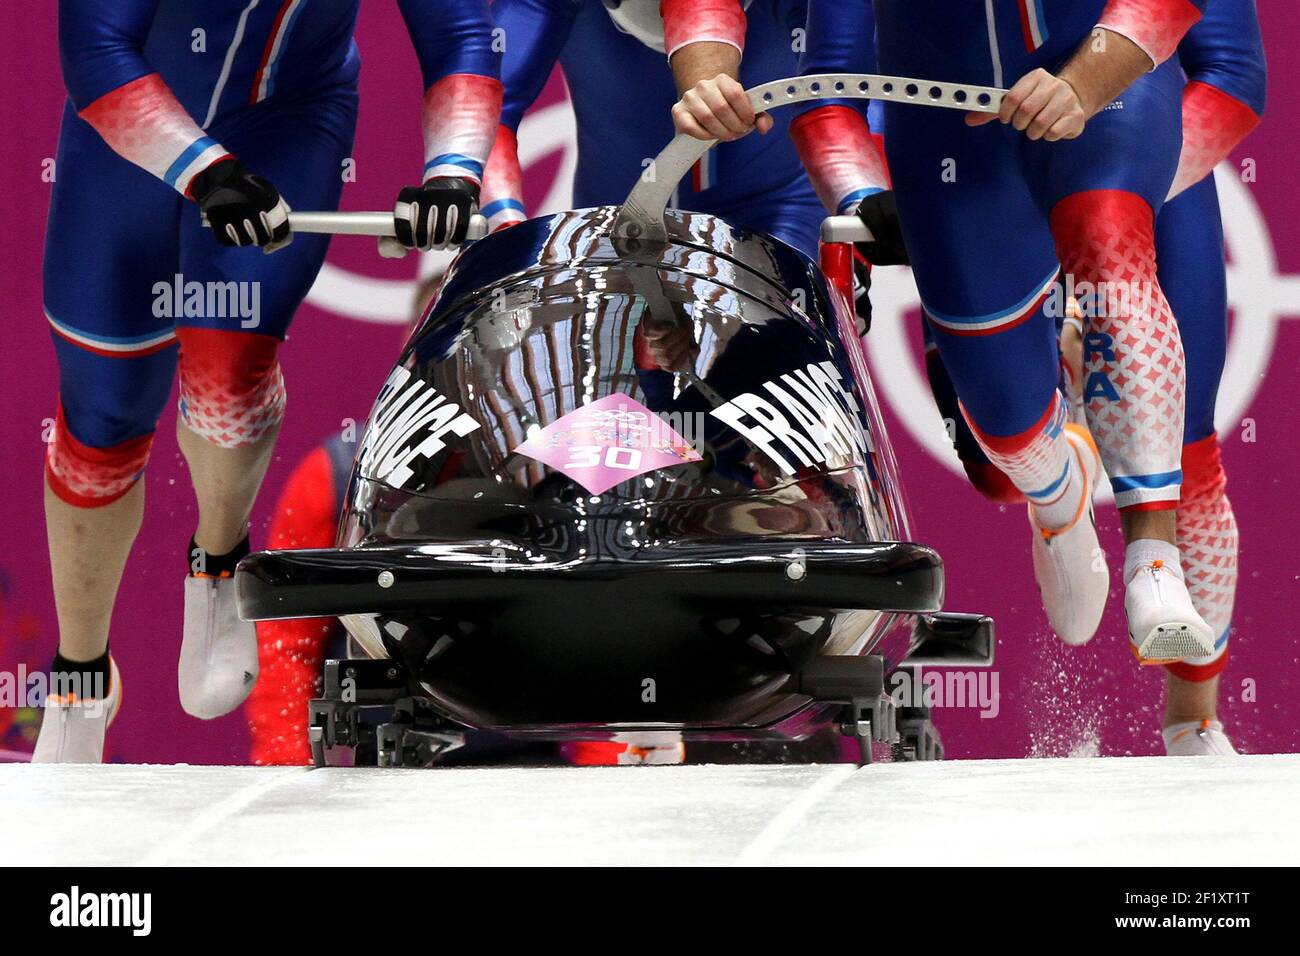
{"type": "Point", "coordinates": [72, 730]}
{"type": "Point", "coordinates": [1163, 625]}
{"type": "Point", "coordinates": [218, 664]}
{"type": "Point", "coordinates": [1069, 564]}
{"type": "Point", "coordinates": [1197, 738]}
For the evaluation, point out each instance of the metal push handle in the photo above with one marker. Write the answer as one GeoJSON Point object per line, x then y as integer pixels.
{"type": "Point", "coordinates": [378, 224]}
{"type": "Point", "coordinates": [642, 213]}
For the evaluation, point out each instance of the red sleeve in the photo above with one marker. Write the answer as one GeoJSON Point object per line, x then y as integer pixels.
{"type": "Point", "coordinates": [1214, 123]}
{"type": "Point", "coordinates": [503, 183]}
{"type": "Point", "coordinates": [115, 89]}
{"type": "Point", "coordinates": [691, 21]}
{"type": "Point", "coordinates": [844, 161]}
{"type": "Point", "coordinates": [1157, 26]}
{"type": "Point", "coordinates": [291, 652]}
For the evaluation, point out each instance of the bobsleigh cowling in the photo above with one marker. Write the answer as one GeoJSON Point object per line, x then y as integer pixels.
{"type": "Point", "coordinates": [618, 483]}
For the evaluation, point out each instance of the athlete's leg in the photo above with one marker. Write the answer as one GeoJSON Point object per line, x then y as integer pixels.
{"type": "Point", "coordinates": [94, 500]}
{"type": "Point", "coordinates": [1134, 379]}
{"type": "Point", "coordinates": [116, 362]}
{"type": "Point", "coordinates": [1189, 242]}
{"type": "Point", "coordinates": [984, 262]}
{"type": "Point", "coordinates": [232, 391]}
{"type": "Point", "coordinates": [1103, 191]}
{"type": "Point", "coordinates": [227, 453]}
{"type": "Point", "coordinates": [1207, 542]}
{"type": "Point", "coordinates": [117, 357]}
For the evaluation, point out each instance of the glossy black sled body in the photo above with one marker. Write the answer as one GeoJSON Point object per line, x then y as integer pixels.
{"type": "Point", "coordinates": [613, 485]}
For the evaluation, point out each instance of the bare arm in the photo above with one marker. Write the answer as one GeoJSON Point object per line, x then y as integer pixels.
{"type": "Point", "coordinates": [1103, 68]}
{"type": "Point", "coordinates": [713, 103]}
{"type": "Point", "coordinates": [704, 60]}
{"type": "Point", "coordinates": [705, 41]}
{"type": "Point", "coordinates": [1058, 107]}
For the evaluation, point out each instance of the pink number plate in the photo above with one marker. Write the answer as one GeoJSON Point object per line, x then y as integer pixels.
{"type": "Point", "coordinates": [610, 440]}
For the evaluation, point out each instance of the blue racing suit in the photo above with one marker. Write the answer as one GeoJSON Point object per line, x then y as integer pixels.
{"type": "Point", "coordinates": [622, 93]}
{"type": "Point", "coordinates": [991, 217]}
{"type": "Point", "coordinates": [158, 92]}
{"type": "Point", "coordinates": [1222, 57]}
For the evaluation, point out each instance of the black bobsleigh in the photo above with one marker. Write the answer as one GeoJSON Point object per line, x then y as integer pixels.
{"type": "Point", "coordinates": [624, 479]}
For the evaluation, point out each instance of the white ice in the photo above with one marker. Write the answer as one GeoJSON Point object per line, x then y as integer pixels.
{"type": "Point", "coordinates": [1077, 811]}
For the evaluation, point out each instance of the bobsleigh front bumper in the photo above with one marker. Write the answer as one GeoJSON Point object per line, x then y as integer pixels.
{"type": "Point", "coordinates": [692, 635]}
{"type": "Point", "coordinates": [458, 577]}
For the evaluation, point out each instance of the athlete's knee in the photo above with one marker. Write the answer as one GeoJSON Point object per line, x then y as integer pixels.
{"type": "Point", "coordinates": [231, 387]}
{"type": "Point", "coordinates": [1104, 231]}
{"type": "Point", "coordinates": [88, 476]}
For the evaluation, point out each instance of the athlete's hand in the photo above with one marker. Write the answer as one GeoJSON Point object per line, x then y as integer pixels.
{"type": "Point", "coordinates": [435, 215]}
{"type": "Point", "coordinates": [242, 208]}
{"type": "Point", "coordinates": [672, 347]}
{"type": "Point", "coordinates": [1041, 106]}
{"type": "Point", "coordinates": [718, 109]}
{"type": "Point", "coordinates": [879, 213]}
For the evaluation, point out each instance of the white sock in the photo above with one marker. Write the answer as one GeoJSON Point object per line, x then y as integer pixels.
{"type": "Point", "coordinates": [1145, 551]}
{"type": "Point", "coordinates": [1065, 505]}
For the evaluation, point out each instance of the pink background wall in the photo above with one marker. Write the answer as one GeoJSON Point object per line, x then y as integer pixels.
{"type": "Point", "coordinates": [1053, 700]}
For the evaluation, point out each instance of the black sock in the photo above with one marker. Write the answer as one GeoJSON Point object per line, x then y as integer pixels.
{"type": "Point", "coordinates": [87, 680]}
{"type": "Point", "coordinates": [209, 565]}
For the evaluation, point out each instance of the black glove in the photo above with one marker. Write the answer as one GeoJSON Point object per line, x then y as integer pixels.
{"type": "Point", "coordinates": [879, 214]}
{"type": "Point", "coordinates": [242, 207]}
{"type": "Point", "coordinates": [435, 215]}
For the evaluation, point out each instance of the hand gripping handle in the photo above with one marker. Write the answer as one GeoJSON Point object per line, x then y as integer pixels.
{"type": "Point", "coordinates": [642, 213]}
{"type": "Point", "coordinates": [379, 224]}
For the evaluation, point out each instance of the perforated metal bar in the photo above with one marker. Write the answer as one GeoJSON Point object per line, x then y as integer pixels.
{"type": "Point", "coordinates": [642, 214]}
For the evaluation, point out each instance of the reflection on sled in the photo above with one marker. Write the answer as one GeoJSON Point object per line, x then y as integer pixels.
{"type": "Point", "coordinates": [616, 485]}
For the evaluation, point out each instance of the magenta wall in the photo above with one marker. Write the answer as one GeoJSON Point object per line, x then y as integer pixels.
{"type": "Point", "coordinates": [1053, 701]}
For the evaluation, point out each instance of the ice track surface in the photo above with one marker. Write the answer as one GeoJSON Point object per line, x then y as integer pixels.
{"type": "Point", "coordinates": [1089, 811]}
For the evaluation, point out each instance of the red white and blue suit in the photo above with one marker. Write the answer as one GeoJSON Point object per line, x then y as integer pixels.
{"type": "Point", "coordinates": [158, 92]}
{"type": "Point", "coordinates": [622, 92]}
{"type": "Point", "coordinates": [1222, 60]}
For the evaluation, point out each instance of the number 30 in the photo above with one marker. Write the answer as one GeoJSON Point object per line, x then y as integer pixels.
{"type": "Point", "coordinates": [589, 456]}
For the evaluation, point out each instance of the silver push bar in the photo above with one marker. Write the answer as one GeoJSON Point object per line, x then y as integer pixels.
{"type": "Point", "coordinates": [378, 224]}
{"type": "Point", "coordinates": [344, 223]}
{"type": "Point", "coordinates": [365, 224]}
{"type": "Point", "coordinates": [642, 214]}
{"type": "Point", "coordinates": [845, 229]}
